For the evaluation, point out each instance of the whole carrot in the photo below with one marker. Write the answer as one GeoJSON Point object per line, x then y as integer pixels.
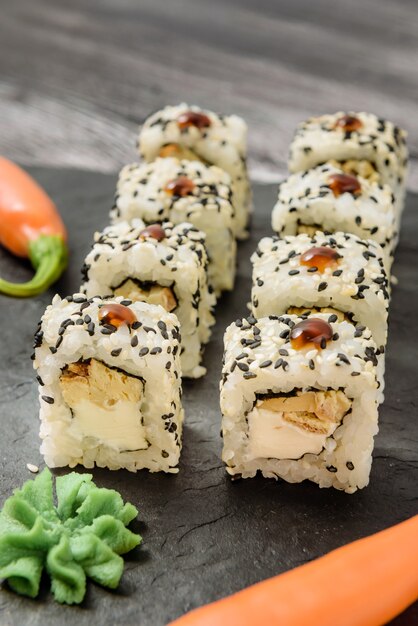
{"type": "Point", "coordinates": [31, 227]}
{"type": "Point", "coordinates": [365, 583]}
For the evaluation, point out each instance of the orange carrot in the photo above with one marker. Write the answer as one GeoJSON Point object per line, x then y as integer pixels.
{"type": "Point", "coordinates": [30, 226]}
{"type": "Point", "coordinates": [365, 583]}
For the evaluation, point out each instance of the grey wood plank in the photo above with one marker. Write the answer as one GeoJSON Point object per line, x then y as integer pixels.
{"type": "Point", "coordinates": [76, 78]}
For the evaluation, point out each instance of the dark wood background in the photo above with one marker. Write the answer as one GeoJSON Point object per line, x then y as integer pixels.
{"type": "Point", "coordinates": [77, 77]}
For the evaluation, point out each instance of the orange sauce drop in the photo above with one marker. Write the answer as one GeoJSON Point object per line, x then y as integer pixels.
{"type": "Point", "coordinates": [181, 186]}
{"type": "Point", "coordinates": [116, 315]}
{"type": "Point", "coordinates": [155, 231]}
{"type": "Point", "coordinates": [344, 183]}
{"type": "Point", "coordinates": [321, 258]}
{"type": "Point", "coordinates": [348, 123]}
{"type": "Point", "coordinates": [193, 118]}
{"type": "Point", "coordinates": [311, 333]}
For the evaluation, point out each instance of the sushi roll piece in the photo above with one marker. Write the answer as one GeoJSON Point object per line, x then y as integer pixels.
{"type": "Point", "coordinates": [159, 264]}
{"type": "Point", "coordinates": [326, 198]}
{"type": "Point", "coordinates": [362, 143]}
{"type": "Point", "coordinates": [183, 191]}
{"type": "Point", "coordinates": [109, 384]}
{"type": "Point", "coordinates": [189, 132]}
{"type": "Point", "coordinates": [338, 274]}
{"type": "Point", "coordinates": [299, 400]}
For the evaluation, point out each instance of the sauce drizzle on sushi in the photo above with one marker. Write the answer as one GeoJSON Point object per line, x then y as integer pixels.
{"type": "Point", "coordinates": [320, 257]}
{"type": "Point", "coordinates": [311, 333]}
{"type": "Point", "coordinates": [155, 231]}
{"type": "Point", "coordinates": [348, 123]}
{"type": "Point", "coordinates": [116, 315]}
{"type": "Point", "coordinates": [193, 118]}
{"type": "Point", "coordinates": [181, 186]}
{"type": "Point", "coordinates": [344, 183]}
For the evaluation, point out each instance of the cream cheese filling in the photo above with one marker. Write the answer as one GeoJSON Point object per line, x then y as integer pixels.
{"type": "Point", "coordinates": [106, 404]}
{"type": "Point", "coordinates": [157, 294]}
{"type": "Point", "coordinates": [287, 427]}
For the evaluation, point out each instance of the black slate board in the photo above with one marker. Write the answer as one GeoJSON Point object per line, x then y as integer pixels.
{"type": "Point", "coordinates": [204, 536]}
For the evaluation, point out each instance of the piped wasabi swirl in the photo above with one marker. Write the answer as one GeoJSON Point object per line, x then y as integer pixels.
{"type": "Point", "coordinates": [82, 536]}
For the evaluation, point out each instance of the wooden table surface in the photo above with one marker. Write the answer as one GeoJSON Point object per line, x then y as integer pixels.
{"type": "Point", "coordinates": [77, 77]}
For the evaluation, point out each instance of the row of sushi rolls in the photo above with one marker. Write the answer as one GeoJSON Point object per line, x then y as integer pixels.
{"type": "Point", "coordinates": [303, 371]}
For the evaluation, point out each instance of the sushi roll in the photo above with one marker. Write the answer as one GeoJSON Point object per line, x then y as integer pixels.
{"type": "Point", "coordinates": [189, 132]}
{"type": "Point", "coordinates": [183, 191]}
{"type": "Point", "coordinates": [159, 264]}
{"type": "Point", "coordinates": [299, 400]}
{"type": "Point", "coordinates": [362, 143]}
{"type": "Point", "coordinates": [338, 274]}
{"type": "Point", "coordinates": [326, 198]}
{"type": "Point", "coordinates": [109, 384]}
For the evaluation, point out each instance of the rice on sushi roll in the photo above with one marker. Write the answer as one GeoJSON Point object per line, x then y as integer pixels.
{"type": "Point", "coordinates": [109, 384]}
{"type": "Point", "coordinates": [159, 264]}
{"type": "Point", "coordinates": [326, 198]}
{"type": "Point", "coordinates": [362, 143]}
{"type": "Point", "coordinates": [340, 272]}
{"type": "Point", "coordinates": [299, 400]}
{"type": "Point", "coordinates": [183, 191]}
{"type": "Point", "coordinates": [189, 132]}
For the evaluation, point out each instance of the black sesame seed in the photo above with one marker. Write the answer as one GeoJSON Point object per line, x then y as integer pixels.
{"type": "Point", "coordinates": [332, 318]}
{"type": "Point", "coordinates": [48, 399]}
{"type": "Point", "coordinates": [243, 367]}
{"type": "Point", "coordinates": [293, 272]}
{"type": "Point", "coordinates": [331, 469]}
{"type": "Point", "coordinates": [143, 351]}
{"type": "Point", "coordinates": [278, 363]}
{"type": "Point", "coordinates": [134, 341]}
{"type": "Point", "coordinates": [266, 363]}
{"type": "Point", "coordinates": [249, 375]}
{"type": "Point", "coordinates": [53, 349]}
{"type": "Point", "coordinates": [40, 381]}
{"type": "Point", "coordinates": [337, 273]}
{"type": "Point", "coordinates": [156, 350]}
{"type": "Point", "coordinates": [136, 325]}
{"type": "Point", "coordinates": [168, 365]}
{"type": "Point", "coordinates": [242, 355]}
{"type": "Point", "coordinates": [311, 364]}
{"type": "Point", "coordinates": [343, 358]}
{"type": "Point", "coordinates": [283, 352]}
{"type": "Point", "coordinates": [116, 352]}
{"type": "Point", "coordinates": [349, 465]}
{"type": "Point", "coordinates": [322, 286]}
